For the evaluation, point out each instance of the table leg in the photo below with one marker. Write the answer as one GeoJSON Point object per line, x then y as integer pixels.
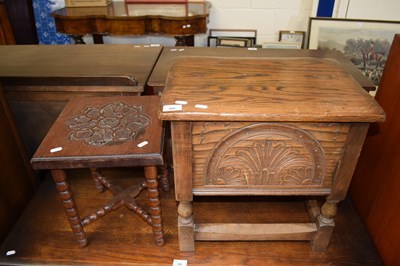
{"type": "Point", "coordinates": [97, 38]}
{"type": "Point", "coordinates": [153, 197]}
{"type": "Point", "coordinates": [78, 39]}
{"type": "Point", "coordinates": [184, 40]}
{"type": "Point", "coordinates": [185, 226]}
{"type": "Point", "coordinates": [182, 154]}
{"type": "Point", "coordinates": [325, 224]}
{"type": "Point", "coordinates": [164, 179]}
{"type": "Point", "coordinates": [62, 185]}
{"type": "Point", "coordinates": [95, 176]}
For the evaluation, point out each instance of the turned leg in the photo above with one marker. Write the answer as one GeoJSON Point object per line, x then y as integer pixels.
{"type": "Point", "coordinates": [185, 226]}
{"type": "Point", "coordinates": [325, 224]}
{"type": "Point", "coordinates": [95, 176]}
{"type": "Point", "coordinates": [164, 177]}
{"type": "Point", "coordinates": [153, 198]}
{"type": "Point", "coordinates": [62, 185]}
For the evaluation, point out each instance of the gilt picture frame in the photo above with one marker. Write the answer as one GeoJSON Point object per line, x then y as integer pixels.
{"type": "Point", "coordinates": [364, 42]}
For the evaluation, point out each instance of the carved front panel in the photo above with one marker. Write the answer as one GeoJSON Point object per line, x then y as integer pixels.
{"type": "Point", "coordinates": [266, 155]}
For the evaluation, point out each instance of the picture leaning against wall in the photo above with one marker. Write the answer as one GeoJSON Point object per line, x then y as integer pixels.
{"type": "Point", "coordinates": [365, 42]}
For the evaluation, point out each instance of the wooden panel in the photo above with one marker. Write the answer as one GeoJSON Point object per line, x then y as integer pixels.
{"type": "Point", "coordinates": [39, 80]}
{"type": "Point", "coordinates": [276, 89]}
{"type": "Point", "coordinates": [319, 148]}
{"type": "Point", "coordinates": [376, 182]}
{"type": "Point", "coordinates": [99, 62]}
{"type": "Point", "coordinates": [168, 56]}
{"type": "Point", "coordinates": [6, 34]}
{"type": "Point", "coordinates": [22, 20]}
{"type": "Point", "coordinates": [181, 148]}
{"type": "Point", "coordinates": [243, 232]}
{"type": "Point", "coordinates": [93, 131]}
{"type": "Point", "coordinates": [110, 20]}
{"type": "Point", "coordinates": [17, 182]}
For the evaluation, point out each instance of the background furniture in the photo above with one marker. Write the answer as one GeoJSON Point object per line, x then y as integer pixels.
{"type": "Point", "coordinates": [106, 132]}
{"type": "Point", "coordinates": [6, 34]}
{"type": "Point", "coordinates": [243, 126]}
{"type": "Point", "coordinates": [39, 80]}
{"type": "Point", "coordinates": [120, 18]}
{"type": "Point", "coordinates": [17, 183]}
{"type": "Point", "coordinates": [376, 183]}
{"type": "Point", "coordinates": [169, 55]}
{"type": "Point", "coordinates": [20, 15]}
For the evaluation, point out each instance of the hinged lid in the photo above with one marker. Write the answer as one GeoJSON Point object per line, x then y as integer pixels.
{"type": "Point", "coordinates": [260, 89]}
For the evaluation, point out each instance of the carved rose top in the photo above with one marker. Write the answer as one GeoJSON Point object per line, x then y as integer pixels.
{"type": "Point", "coordinates": [110, 124]}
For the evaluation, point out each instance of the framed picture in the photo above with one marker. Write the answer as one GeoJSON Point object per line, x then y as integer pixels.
{"type": "Point", "coordinates": [159, 9]}
{"type": "Point", "coordinates": [282, 45]}
{"type": "Point", "coordinates": [232, 37]}
{"type": "Point", "coordinates": [365, 42]}
{"type": "Point", "coordinates": [234, 42]}
{"type": "Point", "coordinates": [292, 36]}
{"type": "Point", "coordinates": [155, 1]}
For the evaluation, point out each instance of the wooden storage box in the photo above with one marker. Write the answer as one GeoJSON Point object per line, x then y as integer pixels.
{"type": "Point", "coordinates": [83, 3]}
{"type": "Point", "coordinates": [264, 126]}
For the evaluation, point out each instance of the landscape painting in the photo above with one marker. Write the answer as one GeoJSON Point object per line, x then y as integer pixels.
{"type": "Point", "coordinates": [366, 43]}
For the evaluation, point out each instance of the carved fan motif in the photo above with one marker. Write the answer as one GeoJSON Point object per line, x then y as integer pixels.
{"type": "Point", "coordinates": [277, 155]}
{"type": "Point", "coordinates": [110, 124]}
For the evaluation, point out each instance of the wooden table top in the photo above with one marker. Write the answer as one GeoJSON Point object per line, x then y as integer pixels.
{"type": "Point", "coordinates": [122, 9]}
{"type": "Point", "coordinates": [103, 132]}
{"type": "Point", "coordinates": [120, 18]}
{"type": "Point", "coordinates": [265, 89]}
{"type": "Point", "coordinates": [169, 55]}
{"type": "Point", "coordinates": [112, 64]}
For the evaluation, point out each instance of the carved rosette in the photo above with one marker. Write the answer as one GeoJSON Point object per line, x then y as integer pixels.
{"type": "Point", "coordinates": [266, 154]}
{"type": "Point", "coordinates": [109, 124]}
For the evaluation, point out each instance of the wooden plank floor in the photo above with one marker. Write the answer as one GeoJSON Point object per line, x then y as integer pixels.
{"type": "Point", "coordinates": [42, 235]}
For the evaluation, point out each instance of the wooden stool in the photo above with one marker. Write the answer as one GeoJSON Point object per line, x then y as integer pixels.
{"type": "Point", "coordinates": [102, 132]}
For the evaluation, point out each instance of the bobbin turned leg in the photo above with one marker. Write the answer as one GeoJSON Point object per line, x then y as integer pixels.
{"type": "Point", "coordinates": [325, 224]}
{"type": "Point", "coordinates": [62, 185]}
{"type": "Point", "coordinates": [164, 176]}
{"type": "Point", "coordinates": [95, 176]}
{"type": "Point", "coordinates": [153, 198]}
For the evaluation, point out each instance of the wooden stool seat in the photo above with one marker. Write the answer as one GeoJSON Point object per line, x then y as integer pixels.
{"type": "Point", "coordinates": [104, 132]}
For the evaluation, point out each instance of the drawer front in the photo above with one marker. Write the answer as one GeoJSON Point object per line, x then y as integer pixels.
{"type": "Point", "coordinates": [266, 158]}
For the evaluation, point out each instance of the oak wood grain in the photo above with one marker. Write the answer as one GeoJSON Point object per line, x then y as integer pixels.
{"type": "Point", "coordinates": [182, 148]}
{"type": "Point", "coordinates": [259, 89]}
{"type": "Point", "coordinates": [243, 232]}
{"type": "Point", "coordinates": [207, 135]}
{"type": "Point", "coordinates": [77, 154]}
{"type": "Point", "coordinates": [169, 55]}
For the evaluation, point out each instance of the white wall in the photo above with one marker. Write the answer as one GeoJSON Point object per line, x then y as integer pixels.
{"type": "Point", "coordinates": [265, 16]}
{"type": "Point", "coordinates": [268, 17]}
{"type": "Point", "coordinates": [368, 9]}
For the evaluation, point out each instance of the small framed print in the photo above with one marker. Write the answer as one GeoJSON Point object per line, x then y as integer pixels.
{"type": "Point", "coordinates": [292, 36]}
{"type": "Point", "coordinates": [234, 42]}
{"type": "Point", "coordinates": [231, 37]}
{"type": "Point", "coordinates": [281, 45]}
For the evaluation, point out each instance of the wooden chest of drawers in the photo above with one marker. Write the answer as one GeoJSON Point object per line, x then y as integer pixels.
{"type": "Point", "coordinates": [276, 126]}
